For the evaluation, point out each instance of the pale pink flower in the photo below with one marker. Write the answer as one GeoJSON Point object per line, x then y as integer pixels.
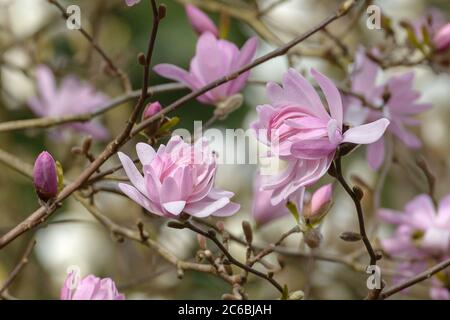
{"type": "Point", "coordinates": [178, 178]}
{"type": "Point", "coordinates": [263, 210]}
{"type": "Point", "coordinates": [90, 288]}
{"type": "Point", "coordinates": [438, 291]}
{"type": "Point", "coordinates": [437, 27]}
{"type": "Point", "coordinates": [131, 3]}
{"type": "Point", "coordinates": [214, 58]}
{"type": "Point", "coordinates": [72, 97]}
{"type": "Point", "coordinates": [298, 128]}
{"type": "Point", "coordinates": [200, 22]}
{"type": "Point", "coordinates": [421, 230]}
{"type": "Point", "coordinates": [396, 100]}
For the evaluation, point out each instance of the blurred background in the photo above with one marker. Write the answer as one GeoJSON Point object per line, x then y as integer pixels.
{"type": "Point", "coordinates": [32, 32]}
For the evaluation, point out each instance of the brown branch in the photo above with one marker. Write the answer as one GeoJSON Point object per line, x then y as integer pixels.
{"type": "Point", "coordinates": [47, 122]}
{"type": "Point", "coordinates": [18, 268]}
{"type": "Point", "coordinates": [212, 236]}
{"type": "Point", "coordinates": [416, 279]}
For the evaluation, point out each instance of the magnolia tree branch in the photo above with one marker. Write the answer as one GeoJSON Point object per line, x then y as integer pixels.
{"type": "Point", "coordinates": [18, 268]}
{"type": "Point", "coordinates": [427, 274]}
{"type": "Point", "coordinates": [47, 122]}
{"type": "Point", "coordinates": [40, 215]}
{"type": "Point", "coordinates": [109, 62]}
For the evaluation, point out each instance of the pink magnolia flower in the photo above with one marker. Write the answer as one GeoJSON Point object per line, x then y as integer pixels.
{"type": "Point", "coordinates": [421, 231]}
{"type": "Point", "coordinates": [298, 128]}
{"type": "Point", "coordinates": [441, 39]}
{"type": "Point", "coordinates": [263, 210]}
{"type": "Point", "coordinates": [438, 291]}
{"type": "Point", "coordinates": [72, 97]}
{"type": "Point", "coordinates": [395, 100]}
{"type": "Point", "coordinates": [200, 22]}
{"type": "Point", "coordinates": [131, 3]}
{"type": "Point", "coordinates": [45, 178]}
{"type": "Point", "coordinates": [90, 288]}
{"type": "Point", "coordinates": [179, 177]}
{"type": "Point", "coordinates": [214, 58]}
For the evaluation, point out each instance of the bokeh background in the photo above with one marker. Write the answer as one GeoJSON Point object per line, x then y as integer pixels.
{"type": "Point", "coordinates": [33, 32]}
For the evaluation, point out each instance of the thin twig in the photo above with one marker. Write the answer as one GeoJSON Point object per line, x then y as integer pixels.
{"type": "Point", "coordinates": [18, 268]}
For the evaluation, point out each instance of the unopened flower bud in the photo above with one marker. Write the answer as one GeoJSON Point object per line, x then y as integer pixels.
{"type": "Point", "coordinates": [296, 295]}
{"type": "Point", "coordinates": [200, 21]}
{"type": "Point", "coordinates": [45, 177]}
{"type": "Point", "coordinates": [201, 241]}
{"type": "Point", "coordinates": [319, 205]}
{"type": "Point", "coordinates": [313, 238]}
{"type": "Point", "coordinates": [247, 228]}
{"type": "Point", "coordinates": [350, 236]}
{"type": "Point", "coordinates": [442, 38]}
{"type": "Point", "coordinates": [151, 109]}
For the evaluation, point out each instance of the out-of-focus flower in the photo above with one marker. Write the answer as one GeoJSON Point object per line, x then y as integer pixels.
{"type": "Point", "coordinates": [45, 177]}
{"type": "Point", "coordinates": [422, 237]}
{"type": "Point", "coordinates": [151, 109]}
{"type": "Point", "coordinates": [297, 128]}
{"type": "Point", "coordinates": [200, 22]}
{"type": "Point", "coordinates": [214, 58]}
{"type": "Point", "coordinates": [178, 178]}
{"type": "Point", "coordinates": [131, 3]}
{"type": "Point", "coordinates": [441, 39]}
{"type": "Point", "coordinates": [421, 231]}
{"type": "Point", "coordinates": [90, 288]}
{"type": "Point", "coordinates": [438, 291]}
{"type": "Point", "coordinates": [395, 100]}
{"type": "Point", "coordinates": [264, 211]}
{"type": "Point", "coordinates": [72, 97]}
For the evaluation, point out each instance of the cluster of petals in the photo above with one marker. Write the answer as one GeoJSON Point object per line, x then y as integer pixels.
{"type": "Point", "coordinates": [421, 237]}
{"type": "Point", "coordinates": [178, 177]}
{"type": "Point", "coordinates": [298, 128]}
{"type": "Point", "coordinates": [396, 100]}
{"type": "Point", "coordinates": [71, 97]}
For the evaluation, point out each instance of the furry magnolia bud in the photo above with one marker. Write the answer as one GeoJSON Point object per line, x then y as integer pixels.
{"type": "Point", "coordinates": [313, 238]}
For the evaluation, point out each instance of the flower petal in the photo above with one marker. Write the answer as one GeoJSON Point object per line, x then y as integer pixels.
{"type": "Point", "coordinates": [366, 133]}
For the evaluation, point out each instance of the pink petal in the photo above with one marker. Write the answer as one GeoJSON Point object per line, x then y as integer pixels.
{"type": "Point", "coordinates": [174, 207]}
{"type": "Point", "coordinates": [375, 154]}
{"type": "Point", "coordinates": [366, 133]}
{"type": "Point", "coordinates": [443, 217]}
{"type": "Point", "coordinates": [332, 95]}
{"type": "Point", "coordinates": [132, 172]}
{"type": "Point", "coordinates": [145, 152]}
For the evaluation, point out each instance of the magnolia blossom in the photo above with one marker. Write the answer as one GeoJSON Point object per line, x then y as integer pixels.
{"type": "Point", "coordinates": [72, 97]}
{"type": "Point", "coordinates": [45, 177]}
{"type": "Point", "coordinates": [298, 128]}
{"type": "Point", "coordinates": [422, 235]}
{"type": "Point", "coordinates": [395, 100]}
{"type": "Point", "coordinates": [132, 2]}
{"type": "Point", "coordinates": [151, 109]}
{"type": "Point", "coordinates": [179, 177]}
{"type": "Point", "coordinates": [421, 230]}
{"type": "Point", "coordinates": [214, 58]}
{"type": "Point", "coordinates": [200, 22]}
{"type": "Point", "coordinates": [89, 288]}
